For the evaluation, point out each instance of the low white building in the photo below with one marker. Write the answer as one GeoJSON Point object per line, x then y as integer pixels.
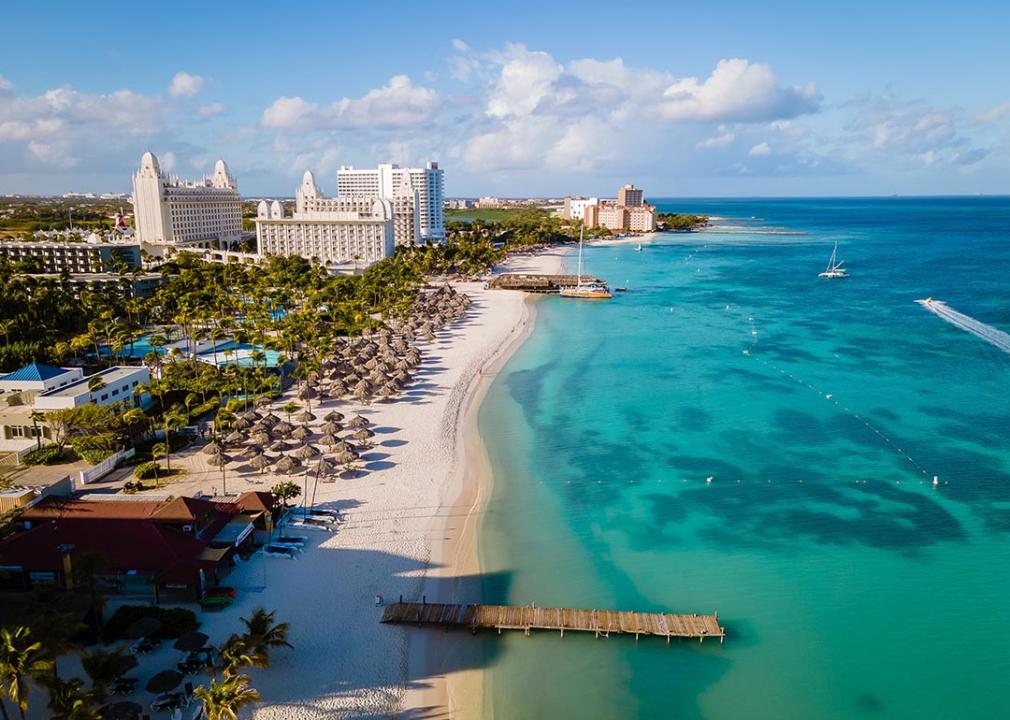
{"type": "Point", "coordinates": [38, 378]}
{"type": "Point", "coordinates": [171, 212]}
{"type": "Point", "coordinates": [340, 240]}
{"type": "Point", "coordinates": [575, 208]}
{"type": "Point", "coordinates": [73, 257]}
{"type": "Point", "coordinates": [117, 384]}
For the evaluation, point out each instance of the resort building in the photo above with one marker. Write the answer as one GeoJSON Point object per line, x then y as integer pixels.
{"type": "Point", "coordinates": [488, 203]}
{"type": "Point", "coordinates": [117, 384]}
{"type": "Point", "coordinates": [340, 240]}
{"type": "Point", "coordinates": [457, 204]}
{"type": "Point", "coordinates": [629, 212]}
{"type": "Point", "coordinates": [173, 212]}
{"type": "Point", "coordinates": [575, 208]}
{"type": "Point", "coordinates": [129, 286]}
{"type": "Point", "coordinates": [37, 378]}
{"type": "Point", "coordinates": [389, 181]}
{"type": "Point", "coordinates": [310, 202]}
{"type": "Point", "coordinates": [177, 547]}
{"type": "Point", "coordinates": [72, 257]}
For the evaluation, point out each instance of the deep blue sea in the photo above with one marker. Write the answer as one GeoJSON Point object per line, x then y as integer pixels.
{"type": "Point", "coordinates": [849, 585]}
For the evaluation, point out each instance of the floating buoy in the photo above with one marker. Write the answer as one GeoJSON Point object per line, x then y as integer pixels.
{"type": "Point", "coordinates": [828, 396]}
{"type": "Point", "coordinates": [709, 480]}
{"type": "Point", "coordinates": [936, 480]}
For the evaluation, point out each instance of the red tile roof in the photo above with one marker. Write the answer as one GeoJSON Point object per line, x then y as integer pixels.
{"type": "Point", "coordinates": [53, 508]}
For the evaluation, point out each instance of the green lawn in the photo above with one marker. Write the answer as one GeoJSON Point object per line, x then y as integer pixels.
{"type": "Point", "coordinates": [493, 214]}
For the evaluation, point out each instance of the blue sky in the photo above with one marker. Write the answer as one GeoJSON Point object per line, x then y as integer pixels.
{"type": "Point", "coordinates": [684, 99]}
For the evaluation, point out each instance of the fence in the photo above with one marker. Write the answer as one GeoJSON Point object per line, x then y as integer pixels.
{"type": "Point", "coordinates": [103, 468]}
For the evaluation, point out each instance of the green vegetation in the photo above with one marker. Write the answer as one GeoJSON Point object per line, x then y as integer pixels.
{"type": "Point", "coordinates": [678, 222]}
{"type": "Point", "coordinates": [146, 471]}
{"type": "Point", "coordinates": [286, 490]}
{"type": "Point", "coordinates": [500, 215]}
{"type": "Point", "coordinates": [45, 455]}
{"type": "Point", "coordinates": [20, 217]}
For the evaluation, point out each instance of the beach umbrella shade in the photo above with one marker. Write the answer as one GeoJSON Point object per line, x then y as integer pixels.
{"type": "Point", "coordinates": [305, 417]}
{"type": "Point", "coordinates": [307, 393]}
{"type": "Point", "coordinates": [270, 419]}
{"type": "Point", "coordinates": [252, 451]}
{"type": "Point", "coordinates": [250, 415]}
{"type": "Point", "coordinates": [363, 389]}
{"type": "Point", "coordinates": [342, 446]}
{"type": "Point", "coordinates": [325, 467]}
{"type": "Point", "coordinates": [306, 452]}
{"type": "Point", "coordinates": [143, 627]}
{"type": "Point", "coordinates": [164, 681]}
{"type": "Point", "coordinates": [191, 641]}
{"type": "Point", "coordinates": [122, 710]}
{"type": "Point", "coordinates": [301, 432]}
{"type": "Point", "coordinates": [212, 448]}
{"type": "Point", "coordinates": [240, 423]}
{"type": "Point", "coordinates": [288, 464]}
{"type": "Point", "coordinates": [338, 388]}
{"type": "Point", "coordinates": [260, 438]}
{"type": "Point", "coordinates": [346, 458]}
{"type": "Point", "coordinates": [329, 440]}
{"type": "Point", "coordinates": [264, 401]}
{"type": "Point", "coordinates": [387, 391]}
{"type": "Point", "coordinates": [362, 434]}
{"type": "Point", "coordinates": [261, 462]}
{"type": "Point", "coordinates": [124, 664]}
{"type": "Point", "coordinates": [358, 421]}
{"type": "Point", "coordinates": [219, 460]}
{"type": "Point", "coordinates": [331, 428]}
{"type": "Point", "coordinates": [280, 446]}
{"type": "Point", "coordinates": [283, 428]}
{"type": "Point", "coordinates": [234, 438]}
{"type": "Point", "coordinates": [333, 416]}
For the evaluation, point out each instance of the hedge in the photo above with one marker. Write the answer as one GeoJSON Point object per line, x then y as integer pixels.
{"type": "Point", "coordinates": [92, 449]}
{"type": "Point", "coordinates": [174, 621]}
{"type": "Point", "coordinates": [45, 455]}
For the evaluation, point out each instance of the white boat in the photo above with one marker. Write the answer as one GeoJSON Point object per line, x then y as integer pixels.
{"type": "Point", "coordinates": [835, 269]}
{"type": "Point", "coordinates": [585, 290]}
{"type": "Point", "coordinates": [639, 248]}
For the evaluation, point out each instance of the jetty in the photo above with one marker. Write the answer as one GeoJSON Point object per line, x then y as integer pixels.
{"type": "Point", "coordinates": [530, 617]}
{"type": "Point", "coordinates": [533, 283]}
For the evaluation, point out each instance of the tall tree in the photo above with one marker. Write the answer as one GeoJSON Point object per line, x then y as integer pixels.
{"type": "Point", "coordinates": [21, 658]}
{"type": "Point", "coordinates": [222, 700]}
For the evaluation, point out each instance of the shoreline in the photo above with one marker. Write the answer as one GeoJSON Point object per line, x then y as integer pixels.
{"type": "Point", "coordinates": [461, 693]}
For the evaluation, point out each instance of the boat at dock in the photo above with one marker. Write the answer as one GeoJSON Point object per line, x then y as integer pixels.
{"type": "Point", "coordinates": [588, 290]}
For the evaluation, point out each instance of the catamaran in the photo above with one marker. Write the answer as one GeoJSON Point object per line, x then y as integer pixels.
{"type": "Point", "coordinates": [586, 290]}
{"type": "Point", "coordinates": [835, 269]}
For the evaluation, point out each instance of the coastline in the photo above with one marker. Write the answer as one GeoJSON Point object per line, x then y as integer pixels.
{"type": "Point", "coordinates": [460, 693]}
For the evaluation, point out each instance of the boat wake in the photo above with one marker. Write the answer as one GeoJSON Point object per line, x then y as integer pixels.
{"type": "Point", "coordinates": [991, 335]}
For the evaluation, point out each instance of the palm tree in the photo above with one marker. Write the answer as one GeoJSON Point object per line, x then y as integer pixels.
{"type": "Point", "coordinates": [290, 409]}
{"type": "Point", "coordinates": [103, 667]}
{"type": "Point", "coordinates": [69, 701]}
{"type": "Point", "coordinates": [236, 654]}
{"type": "Point", "coordinates": [37, 416]}
{"type": "Point", "coordinates": [222, 700]}
{"type": "Point", "coordinates": [95, 383]}
{"type": "Point", "coordinates": [21, 657]}
{"type": "Point", "coordinates": [263, 635]}
{"type": "Point", "coordinates": [171, 420]}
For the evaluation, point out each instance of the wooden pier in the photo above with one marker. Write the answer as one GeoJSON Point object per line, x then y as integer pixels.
{"type": "Point", "coordinates": [529, 618]}
{"type": "Point", "coordinates": [537, 283]}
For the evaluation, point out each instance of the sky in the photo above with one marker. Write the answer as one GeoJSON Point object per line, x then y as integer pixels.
{"type": "Point", "coordinates": [702, 98]}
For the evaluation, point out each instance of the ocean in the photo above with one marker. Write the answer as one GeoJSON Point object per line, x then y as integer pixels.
{"type": "Point", "coordinates": [735, 435]}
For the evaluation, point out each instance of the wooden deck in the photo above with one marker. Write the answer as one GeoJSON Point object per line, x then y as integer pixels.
{"type": "Point", "coordinates": [537, 283]}
{"type": "Point", "coordinates": [529, 618]}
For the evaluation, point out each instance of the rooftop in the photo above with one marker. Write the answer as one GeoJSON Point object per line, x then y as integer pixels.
{"type": "Point", "coordinates": [35, 372]}
{"type": "Point", "coordinates": [110, 376]}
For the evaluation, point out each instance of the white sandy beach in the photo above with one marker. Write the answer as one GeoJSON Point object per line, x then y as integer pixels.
{"type": "Point", "coordinates": [407, 529]}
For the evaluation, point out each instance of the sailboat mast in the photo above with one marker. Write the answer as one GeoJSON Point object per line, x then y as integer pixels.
{"type": "Point", "coordinates": [582, 231]}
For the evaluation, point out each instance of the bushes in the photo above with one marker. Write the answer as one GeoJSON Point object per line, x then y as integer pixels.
{"type": "Point", "coordinates": [174, 621]}
{"type": "Point", "coordinates": [146, 471]}
{"type": "Point", "coordinates": [93, 448]}
{"type": "Point", "coordinates": [45, 455]}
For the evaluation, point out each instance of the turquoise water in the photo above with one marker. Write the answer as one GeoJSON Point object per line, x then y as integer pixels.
{"type": "Point", "coordinates": [850, 587]}
{"type": "Point", "coordinates": [240, 354]}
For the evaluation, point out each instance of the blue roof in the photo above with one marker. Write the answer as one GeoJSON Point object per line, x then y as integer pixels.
{"type": "Point", "coordinates": [35, 372]}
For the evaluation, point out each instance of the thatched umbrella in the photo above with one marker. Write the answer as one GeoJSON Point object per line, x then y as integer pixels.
{"type": "Point", "coordinates": [346, 458]}
{"type": "Point", "coordinates": [191, 641]}
{"type": "Point", "coordinates": [261, 462]}
{"type": "Point", "coordinates": [362, 434]}
{"type": "Point", "coordinates": [307, 393]}
{"type": "Point", "coordinates": [283, 428]}
{"type": "Point", "coordinates": [388, 390]}
{"type": "Point", "coordinates": [260, 438]}
{"type": "Point", "coordinates": [234, 438]}
{"type": "Point", "coordinates": [332, 427]}
{"type": "Point", "coordinates": [333, 416]}
{"type": "Point", "coordinates": [301, 432]}
{"type": "Point", "coordinates": [337, 388]}
{"type": "Point", "coordinates": [343, 446]}
{"type": "Point", "coordinates": [240, 423]}
{"type": "Point", "coordinates": [252, 451]}
{"type": "Point", "coordinates": [358, 421]}
{"type": "Point", "coordinates": [212, 448]}
{"type": "Point", "coordinates": [270, 419]}
{"type": "Point", "coordinates": [363, 390]}
{"type": "Point", "coordinates": [306, 452]}
{"type": "Point", "coordinates": [288, 464]}
{"type": "Point", "coordinates": [305, 417]}
{"type": "Point", "coordinates": [264, 401]}
{"type": "Point", "coordinates": [221, 460]}
{"type": "Point", "coordinates": [164, 681]}
{"type": "Point", "coordinates": [280, 446]}
{"type": "Point", "coordinates": [328, 439]}
{"type": "Point", "coordinates": [250, 415]}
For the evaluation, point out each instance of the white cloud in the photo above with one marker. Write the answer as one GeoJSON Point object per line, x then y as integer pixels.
{"type": "Point", "coordinates": [525, 79]}
{"type": "Point", "coordinates": [459, 45]}
{"type": "Point", "coordinates": [6, 86]}
{"type": "Point", "coordinates": [760, 149]}
{"type": "Point", "coordinates": [718, 141]}
{"type": "Point", "coordinates": [185, 85]}
{"type": "Point", "coordinates": [167, 161]}
{"type": "Point", "coordinates": [210, 110]}
{"type": "Point", "coordinates": [739, 91]}
{"type": "Point", "coordinates": [397, 104]}
{"type": "Point", "coordinates": [989, 116]}
{"type": "Point", "coordinates": [52, 154]}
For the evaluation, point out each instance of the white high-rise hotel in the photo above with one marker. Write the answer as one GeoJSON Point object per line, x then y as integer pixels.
{"type": "Point", "coordinates": [424, 185]}
{"type": "Point", "coordinates": [206, 213]}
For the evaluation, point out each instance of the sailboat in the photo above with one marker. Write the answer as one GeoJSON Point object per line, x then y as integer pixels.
{"type": "Point", "coordinates": [639, 248]}
{"type": "Point", "coordinates": [835, 269]}
{"type": "Point", "coordinates": [585, 290]}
